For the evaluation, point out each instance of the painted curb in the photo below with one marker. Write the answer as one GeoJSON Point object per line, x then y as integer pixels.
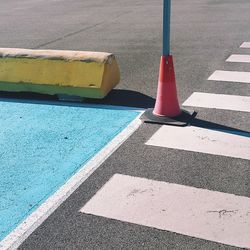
{"type": "Point", "coordinates": [80, 73]}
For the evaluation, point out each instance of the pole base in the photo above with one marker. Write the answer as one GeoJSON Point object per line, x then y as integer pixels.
{"type": "Point", "coordinates": [181, 120]}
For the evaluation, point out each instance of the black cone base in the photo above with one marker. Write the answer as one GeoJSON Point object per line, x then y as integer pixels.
{"type": "Point", "coordinates": [181, 120]}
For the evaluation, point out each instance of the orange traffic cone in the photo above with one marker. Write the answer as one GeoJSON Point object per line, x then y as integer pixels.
{"type": "Point", "coordinates": [167, 109]}
{"type": "Point", "coordinates": [167, 101]}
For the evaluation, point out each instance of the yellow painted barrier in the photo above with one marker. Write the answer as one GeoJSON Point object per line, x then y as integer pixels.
{"type": "Point", "coordinates": [79, 73]}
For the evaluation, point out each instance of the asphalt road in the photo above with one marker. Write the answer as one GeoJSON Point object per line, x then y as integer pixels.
{"type": "Point", "coordinates": [204, 34]}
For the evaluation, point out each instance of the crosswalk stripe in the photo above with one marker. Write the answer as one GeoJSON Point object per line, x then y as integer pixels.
{"type": "Point", "coordinates": [218, 101]}
{"type": "Point", "coordinates": [239, 58]}
{"type": "Point", "coordinates": [245, 45]}
{"type": "Point", "coordinates": [230, 76]}
{"type": "Point", "coordinates": [202, 140]}
{"type": "Point", "coordinates": [195, 212]}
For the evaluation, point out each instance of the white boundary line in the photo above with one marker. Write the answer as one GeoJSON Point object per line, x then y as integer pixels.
{"type": "Point", "coordinates": [22, 231]}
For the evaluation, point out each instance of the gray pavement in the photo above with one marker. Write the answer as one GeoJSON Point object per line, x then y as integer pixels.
{"type": "Point", "coordinates": [204, 34]}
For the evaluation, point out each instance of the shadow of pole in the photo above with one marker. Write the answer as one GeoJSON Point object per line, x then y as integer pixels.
{"type": "Point", "coordinates": [218, 127]}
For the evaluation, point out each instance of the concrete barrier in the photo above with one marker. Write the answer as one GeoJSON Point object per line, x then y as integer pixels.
{"type": "Point", "coordinates": [79, 73]}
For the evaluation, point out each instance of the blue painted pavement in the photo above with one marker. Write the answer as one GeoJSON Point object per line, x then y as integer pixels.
{"type": "Point", "coordinates": [42, 146]}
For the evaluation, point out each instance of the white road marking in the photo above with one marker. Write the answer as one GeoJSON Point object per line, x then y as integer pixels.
{"type": "Point", "coordinates": [22, 232]}
{"type": "Point", "coordinates": [239, 58]}
{"type": "Point", "coordinates": [217, 101]}
{"type": "Point", "coordinates": [202, 140]}
{"type": "Point", "coordinates": [245, 45]}
{"type": "Point", "coordinates": [195, 212]}
{"type": "Point", "coordinates": [230, 76]}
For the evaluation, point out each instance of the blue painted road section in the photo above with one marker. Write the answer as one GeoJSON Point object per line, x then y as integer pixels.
{"type": "Point", "coordinates": [42, 146]}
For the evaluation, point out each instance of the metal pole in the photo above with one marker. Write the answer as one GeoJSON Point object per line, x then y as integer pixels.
{"type": "Point", "coordinates": [166, 27]}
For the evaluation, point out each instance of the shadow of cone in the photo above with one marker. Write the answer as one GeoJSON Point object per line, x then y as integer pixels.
{"type": "Point", "coordinates": [167, 109]}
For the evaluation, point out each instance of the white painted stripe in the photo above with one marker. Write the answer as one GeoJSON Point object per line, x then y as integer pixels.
{"type": "Point", "coordinates": [217, 101]}
{"type": "Point", "coordinates": [245, 45]}
{"type": "Point", "coordinates": [239, 58]}
{"type": "Point", "coordinates": [195, 212]}
{"type": "Point", "coordinates": [202, 140]}
{"type": "Point", "coordinates": [16, 237]}
{"type": "Point", "coordinates": [230, 76]}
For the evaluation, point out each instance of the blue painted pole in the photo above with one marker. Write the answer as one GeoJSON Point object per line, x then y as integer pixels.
{"type": "Point", "coordinates": [167, 109]}
{"type": "Point", "coordinates": [166, 27]}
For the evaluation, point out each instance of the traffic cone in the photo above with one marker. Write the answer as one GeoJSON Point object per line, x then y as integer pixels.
{"type": "Point", "coordinates": [167, 101]}
{"type": "Point", "coordinates": [167, 109]}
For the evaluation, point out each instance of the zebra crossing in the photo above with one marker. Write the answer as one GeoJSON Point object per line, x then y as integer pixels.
{"type": "Point", "coordinates": [186, 210]}
{"type": "Point", "coordinates": [219, 101]}
{"type": "Point", "coordinates": [200, 213]}
{"type": "Point", "coordinates": [245, 45]}
{"type": "Point", "coordinates": [230, 76]}
{"type": "Point", "coordinates": [202, 140]}
{"type": "Point", "coordinates": [239, 58]}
